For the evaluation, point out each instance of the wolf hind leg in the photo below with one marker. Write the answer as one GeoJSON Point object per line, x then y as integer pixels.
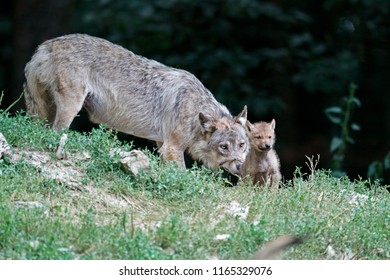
{"type": "Point", "coordinates": [39, 101]}
{"type": "Point", "coordinates": [69, 101]}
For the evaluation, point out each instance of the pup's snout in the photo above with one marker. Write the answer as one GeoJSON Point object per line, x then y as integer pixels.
{"type": "Point", "coordinates": [265, 147]}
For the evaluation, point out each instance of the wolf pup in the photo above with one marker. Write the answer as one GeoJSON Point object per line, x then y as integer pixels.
{"type": "Point", "coordinates": [262, 163]}
{"type": "Point", "coordinates": [134, 95]}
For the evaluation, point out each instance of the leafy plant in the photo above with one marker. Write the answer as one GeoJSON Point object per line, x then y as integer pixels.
{"type": "Point", "coordinates": [172, 213]}
{"type": "Point", "coordinates": [341, 116]}
{"type": "Point", "coordinates": [13, 103]}
{"type": "Point", "coordinates": [376, 170]}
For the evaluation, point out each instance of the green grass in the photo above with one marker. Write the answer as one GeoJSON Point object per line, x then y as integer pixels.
{"type": "Point", "coordinates": [170, 213]}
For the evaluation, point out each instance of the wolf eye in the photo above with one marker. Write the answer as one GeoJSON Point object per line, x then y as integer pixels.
{"type": "Point", "coordinates": [224, 147]}
{"type": "Point", "coordinates": [242, 145]}
{"type": "Point", "coordinates": [269, 137]}
{"type": "Point", "coordinates": [258, 137]}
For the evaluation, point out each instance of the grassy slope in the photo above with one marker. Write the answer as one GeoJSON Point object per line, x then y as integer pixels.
{"type": "Point", "coordinates": [170, 213]}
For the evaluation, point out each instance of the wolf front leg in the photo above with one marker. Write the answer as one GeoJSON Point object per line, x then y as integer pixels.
{"type": "Point", "coordinates": [275, 181]}
{"type": "Point", "coordinates": [174, 153]}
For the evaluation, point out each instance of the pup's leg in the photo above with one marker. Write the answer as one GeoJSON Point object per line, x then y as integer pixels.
{"type": "Point", "coordinates": [275, 181]}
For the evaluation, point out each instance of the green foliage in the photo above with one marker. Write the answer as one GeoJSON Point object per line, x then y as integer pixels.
{"type": "Point", "coordinates": [270, 55]}
{"type": "Point", "coordinates": [22, 135]}
{"type": "Point", "coordinates": [376, 170]}
{"type": "Point", "coordinates": [171, 213]}
{"type": "Point", "coordinates": [6, 28]}
{"type": "Point", "coordinates": [341, 117]}
{"type": "Point", "coordinates": [168, 183]}
{"type": "Point", "coordinates": [259, 53]}
{"type": "Point", "coordinates": [213, 40]}
{"type": "Point", "coordinates": [319, 75]}
{"type": "Point", "coordinates": [32, 234]}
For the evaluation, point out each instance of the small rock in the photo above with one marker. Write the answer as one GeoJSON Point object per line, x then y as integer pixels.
{"type": "Point", "coordinates": [358, 199]}
{"type": "Point", "coordinates": [63, 250]}
{"type": "Point", "coordinates": [222, 237]}
{"type": "Point", "coordinates": [236, 209]}
{"type": "Point", "coordinates": [114, 152]}
{"type": "Point", "coordinates": [134, 161]}
{"type": "Point", "coordinates": [60, 154]}
{"type": "Point", "coordinates": [83, 156]}
{"type": "Point", "coordinates": [330, 252]}
{"type": "Point", "coordinates": [35, 158]}
{"type": "Point", "coordinates": [348, 255]}
{"type": "Point", "coordinates": [28, 204]}
{"type": "Point", "coordinates": [5, 148]}
{"type": "Point", "coordinates": [34, 244]}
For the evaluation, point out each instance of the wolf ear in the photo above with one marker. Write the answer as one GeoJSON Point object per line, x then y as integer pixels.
{"type": "Point", "coordinates": [206, 123]}
{"type": "Point", "coordinates": [241, 117]}
{"type": "Point", "coordinates": [273, 124]}
{"type": "Point", "coordinates": [249, 126]}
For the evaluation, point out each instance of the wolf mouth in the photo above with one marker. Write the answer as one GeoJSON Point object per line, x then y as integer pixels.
{"type": "Point", "coordinates": [263, 149]}
{"type": "Point", "coordinates": [234, 172]}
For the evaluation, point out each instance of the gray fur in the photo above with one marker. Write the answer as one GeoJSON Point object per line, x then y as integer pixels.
{"type": "Point", "coordinates": [134, 95]}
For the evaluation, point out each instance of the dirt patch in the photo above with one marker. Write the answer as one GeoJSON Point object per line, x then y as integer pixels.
{"type": "Point", "coordinates": [66, 168]}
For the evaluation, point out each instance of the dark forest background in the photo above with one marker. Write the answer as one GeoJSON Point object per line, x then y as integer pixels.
{"type": "Point", "coordinates": [297, 61]}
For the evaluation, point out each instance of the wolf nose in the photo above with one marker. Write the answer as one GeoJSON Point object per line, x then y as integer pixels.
{"type": "Point", "coordinates": [268, 146]}
{"type": "Point", "coordinates": [238, 166]}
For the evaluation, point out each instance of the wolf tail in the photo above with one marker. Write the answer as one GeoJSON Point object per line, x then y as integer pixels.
{"type": "Point", "coordinates": [40, 78]}
{"type": "Point", "coordinates": [273, 249]}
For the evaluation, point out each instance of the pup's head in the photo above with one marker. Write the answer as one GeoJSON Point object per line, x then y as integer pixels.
{"type": "Point", "coordinates": [225, 140]}
{"type": "Point", "coordinates": [261, 135]}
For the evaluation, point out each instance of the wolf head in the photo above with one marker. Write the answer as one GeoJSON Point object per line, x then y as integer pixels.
{"type": "Point", "coordinates": [261, 135]}
{"type": "Point", "coordinates": [225, 142]}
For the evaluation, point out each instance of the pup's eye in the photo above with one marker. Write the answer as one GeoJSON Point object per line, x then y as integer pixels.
{"type": "Point", "coordinates": [269, 137]}
{"type": "Point", "coordinates": [258, 137]}
{"type": "Point", "coordinates": [242, 145]}
{"type": "Point", "coordinates": [224, 147]}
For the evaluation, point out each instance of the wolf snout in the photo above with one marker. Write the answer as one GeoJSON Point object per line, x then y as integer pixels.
{"type": "Point", "coordinates": [266, 147]}
{"type": "Point", "coordinates": [238, 166]}
{"type": "Point", "coordinates": [232, 166]}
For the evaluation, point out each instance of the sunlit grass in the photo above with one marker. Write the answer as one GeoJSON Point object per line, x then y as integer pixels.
{"type": "Point", "coordinates": [171, 213]}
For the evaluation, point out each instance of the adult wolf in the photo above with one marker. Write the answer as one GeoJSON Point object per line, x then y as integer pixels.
{"type": "Point", "coordinates": [134, 95]}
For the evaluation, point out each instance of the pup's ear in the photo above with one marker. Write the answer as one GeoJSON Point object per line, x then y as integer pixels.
{"type": "Point", "coordinates": [207, 124]}
{"type": "Point", "coordinates": [249, 126]}
{"type": "Point", "coordinates": [273, 124]}
{"type": "Point", "coordinates": [241, 117]}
